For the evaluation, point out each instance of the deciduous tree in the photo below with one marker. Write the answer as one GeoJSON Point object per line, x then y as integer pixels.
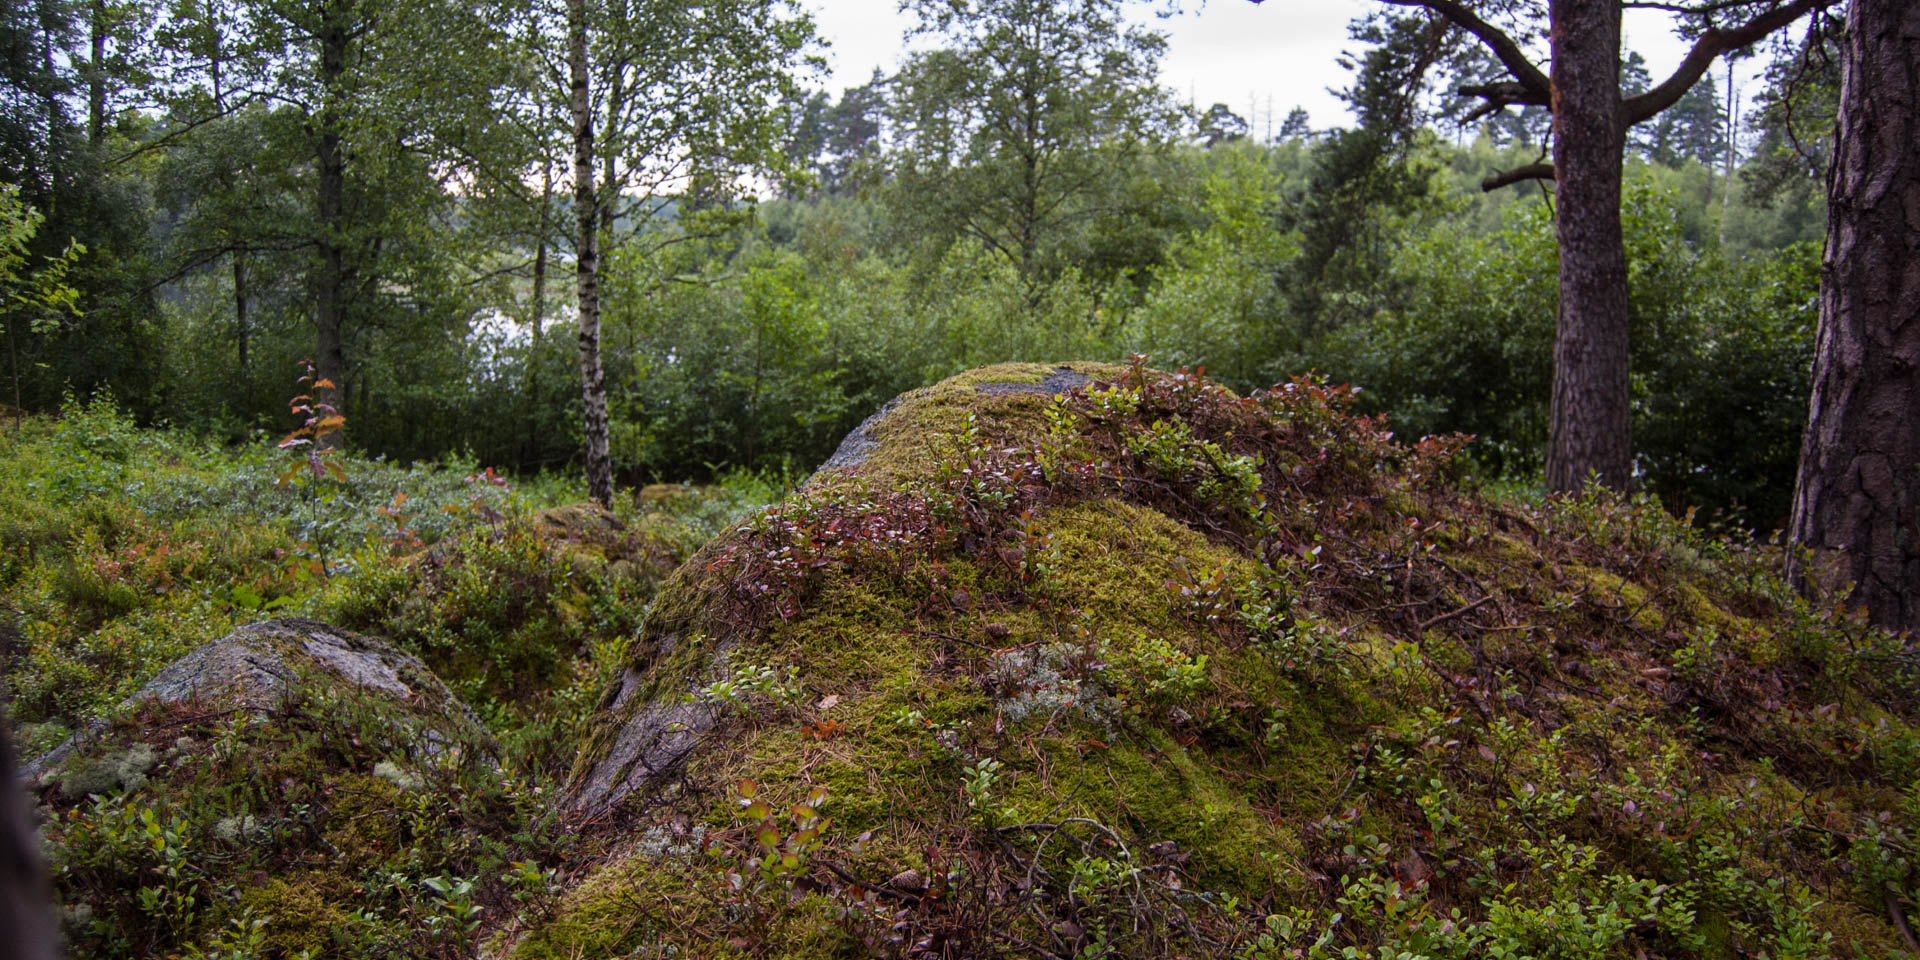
{"type": "Point", "coordinates": [667, 100]}
{"type": "Point", "coordinates": [1012, 132]}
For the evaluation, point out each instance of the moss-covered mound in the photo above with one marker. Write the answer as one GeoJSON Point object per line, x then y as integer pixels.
{"type": "Point", "coordinates": [289, 790]}
{"type": "Point", "coordinates": [1149, 669]}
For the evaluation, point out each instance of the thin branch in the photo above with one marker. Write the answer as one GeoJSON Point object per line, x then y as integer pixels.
{"type": "Point", "coordinates": [1504, 47]}
{"type": "Point", "coordinates": [1532, 171]}
{"type": "Point", "coordinates": [1712, 44]}
{"type": "Point", "coordinates": [1442, 618]}
{"type": "Point", "coordinates": [1696, 10]}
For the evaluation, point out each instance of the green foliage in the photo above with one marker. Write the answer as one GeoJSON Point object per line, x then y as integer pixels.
{"type": "Point", "coordinates": [1720, 349]}
{"type": "Point", "coordinates": [359, 868]}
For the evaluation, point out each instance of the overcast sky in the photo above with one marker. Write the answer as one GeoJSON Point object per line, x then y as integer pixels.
{"type": "Point", "coordinates": [1281, 52]}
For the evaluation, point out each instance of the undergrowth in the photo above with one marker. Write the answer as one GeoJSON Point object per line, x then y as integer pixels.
{"type": "Point", "coordinates": [322, 831]}
{"type": "Point", "coordinates": [1170, 671]}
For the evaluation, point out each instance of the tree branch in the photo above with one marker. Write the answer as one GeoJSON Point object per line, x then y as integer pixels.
{"type": "Point", "coordinates": [1532, 171]}
{"type": "Point", "coordinates": [1712, 44]}
{"type": "Point", "coordinates": [1504, 47]}
{"type": "Point", "coordinates": [1499, 96]}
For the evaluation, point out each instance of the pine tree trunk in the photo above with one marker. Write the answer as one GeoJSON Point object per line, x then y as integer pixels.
{"type": "Point", "coordinates": [1590, 430]}
{"type": "Point", "coordinates": [330, 294]}
{"type": "Point", "coordinates": [1856, 506]}
{"type": "Point", "coordinates": [593, 387]}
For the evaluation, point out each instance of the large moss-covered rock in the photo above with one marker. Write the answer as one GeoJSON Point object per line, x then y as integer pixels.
{"type": "Point", "coordinates": [1087, 661]}
{"type": "Point", "coordinates": [292, 789]}
{"type": "Point", "coordinates": [657, 725]}
{"type": "Point", "coordinates": [264, 666]}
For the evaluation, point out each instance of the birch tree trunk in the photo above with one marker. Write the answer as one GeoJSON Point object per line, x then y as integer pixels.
{"type": "Point", "coordinates": [593, 385]}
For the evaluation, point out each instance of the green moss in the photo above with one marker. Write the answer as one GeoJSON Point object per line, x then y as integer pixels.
{"type": "Point", "coordinates": [1612, 590]}
{"type": "Point", "coordinates": [1486, 754]}
{"type": "Point", "coordinates": [921, 426]}
{"type": "Point", "coordinates": [1116, 560]}
{"type": "Point", "coordinates": [301, 911]}
{"type": "Point", "coordinates": [1154, 791]}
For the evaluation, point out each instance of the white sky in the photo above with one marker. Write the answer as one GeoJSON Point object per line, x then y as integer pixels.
{"type": "Point", "coordinates": [1228, 51]}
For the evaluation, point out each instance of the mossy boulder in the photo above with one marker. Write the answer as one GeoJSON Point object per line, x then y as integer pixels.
{"type": "Point", "coordinates": [292, 789]}
{"type": "Point", "coordinates": [262, 668]}
{"type": "Point", "coordinates": [263, 665]}
{"type": "Point", "coordinates": [1115, 662]}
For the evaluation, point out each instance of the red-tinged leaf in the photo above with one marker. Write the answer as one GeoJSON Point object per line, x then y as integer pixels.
{"type": "Point", "coordinates": [769, 836]}
{"type": "Point", "coordinates": [323, 384]}
{"type": "Point", "coordinates": [329, 424]}
{"type": "Point", "coordinates": [338, 473]}
{"type": "Point", "coordinates": [757, 810]}
{"type": "Point", "coordinates": [747, 788]}
{"type": "Point", "coordinates": [399, 498]}
{"type": "Point", "coordinates": [287, 475]}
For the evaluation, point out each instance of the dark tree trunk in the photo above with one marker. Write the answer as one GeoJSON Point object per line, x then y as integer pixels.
{"type": "Point", "coordinates": [540, 251]}
{"type": "Point", "coordinates": [242, 331]}
{"type": "Point", "coordinates": [593, 386]}
{"type": "Point", "coordinates": [97, 75]}
{"type": "Point", "coordinates": [330, 293]}
{"type": "Point", "coordinates": [1590, 425]}
{"type": "Point", "coordinates": [26, 899]}
{"type": "Point", "coordinates": [1856, 507]}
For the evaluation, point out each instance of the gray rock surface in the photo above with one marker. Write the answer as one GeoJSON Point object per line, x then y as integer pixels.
{"type": "Point", "coordinates": [650, 746]}
{"type": "Point", "coordinates": [261, 666]}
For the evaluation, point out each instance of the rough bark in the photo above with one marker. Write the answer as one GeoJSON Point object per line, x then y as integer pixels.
{"type": "Point", "coordinates": [1590, 426]}
{"type": "Point", "coordinates": [26, 899]}
{"type": "Point", "coordinates": [1856, 506]}
{"type": "Point", "coordinates": [330, 280]}
{"type": "Point", "coordinates": [593, 386]}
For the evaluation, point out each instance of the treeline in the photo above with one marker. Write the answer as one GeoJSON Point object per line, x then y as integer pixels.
{"type": "Point", "coordinates": [258, 182]}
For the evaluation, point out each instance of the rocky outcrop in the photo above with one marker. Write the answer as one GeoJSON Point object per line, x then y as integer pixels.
{"type": "Point", "coordinates": [658, 726]}
{"type": "Point", "coordinates": [263, 666]}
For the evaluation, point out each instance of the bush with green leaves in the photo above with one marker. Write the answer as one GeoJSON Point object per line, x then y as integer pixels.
{"type": "Point", "coordinates": [1720, 353]}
